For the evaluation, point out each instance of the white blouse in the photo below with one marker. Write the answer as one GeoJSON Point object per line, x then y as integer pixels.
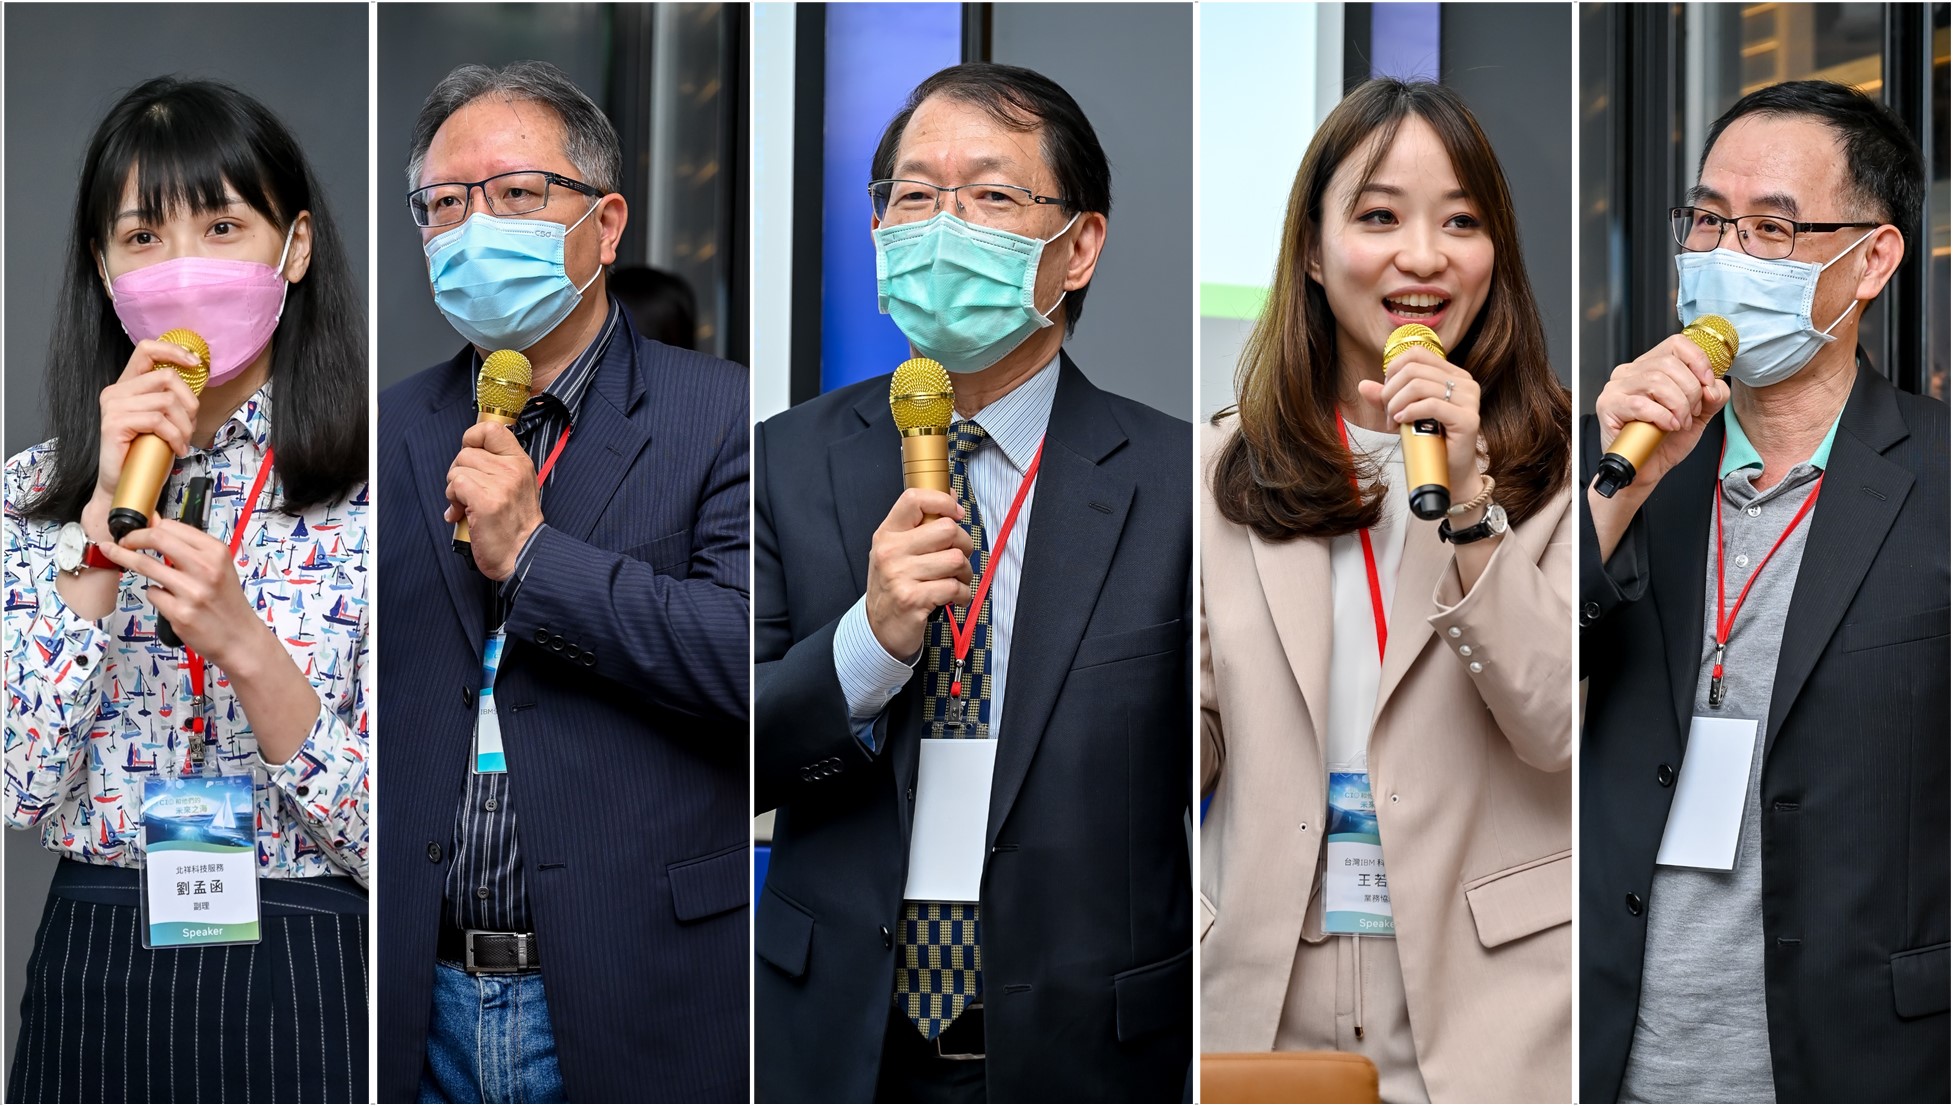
{"type": "Point", "coordinates": [1355, 669]}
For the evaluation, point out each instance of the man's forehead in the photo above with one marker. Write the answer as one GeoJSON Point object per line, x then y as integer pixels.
{"type": "Point", "coordinates": [1794, 163]}
{"type": "Point", "coordinates": [955, 134]}
{"type": "Point", "coordinates": [515, 133]}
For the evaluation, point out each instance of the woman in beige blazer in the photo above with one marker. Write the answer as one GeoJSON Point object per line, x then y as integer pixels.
{"type": "Point", "coordinates": [1456, 711]}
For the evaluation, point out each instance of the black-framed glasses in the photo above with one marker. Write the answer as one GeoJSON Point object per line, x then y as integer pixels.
{"type": "Point", "coordinates": [1765, 237]}
{"type": "Point", "coordinates": [1004, 206]}
{"type": "Point", "coordinates": [523, 192]}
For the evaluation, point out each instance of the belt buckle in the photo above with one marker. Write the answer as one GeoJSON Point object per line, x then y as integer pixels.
{"type": "Point", "coordinates": [938, 1042]}
{"type": "Point", "coordinates": [521, 952]}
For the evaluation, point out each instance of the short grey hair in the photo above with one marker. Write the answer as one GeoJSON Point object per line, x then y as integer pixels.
{"type": "Point", "coordinates": [589, 141]}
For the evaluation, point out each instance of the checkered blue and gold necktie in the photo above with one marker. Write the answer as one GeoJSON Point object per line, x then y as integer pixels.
{"type": "Point", "coordinates": [940, 970]}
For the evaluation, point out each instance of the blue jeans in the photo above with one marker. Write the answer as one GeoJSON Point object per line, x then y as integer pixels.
{"type": "Point", "coordinates": [489, 1040]}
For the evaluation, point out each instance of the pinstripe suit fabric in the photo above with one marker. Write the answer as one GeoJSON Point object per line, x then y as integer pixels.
{"type": "Point", "coordinates": [105, 1020]}
{"type": "Point", "coordinates": [623, 707]}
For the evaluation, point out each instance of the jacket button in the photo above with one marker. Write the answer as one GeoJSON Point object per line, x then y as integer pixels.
{"type": "Point", "coordinates": [912, 794]}
{"type": "Point", "coordinates": [1589, 613]}
{"type": "Point", "coordinates": [1665, 776]}
{"type": "Point", "coordinates": [1634, 904]}
{"type": "Point", "coordinates": [888, 942]}
{"type": "Point", "coordinates": [433, 852]}
{"type": "Point", "coordinates": [542, 636]}
{"type": "Point", "coordinates": [467, 696]}
{"type": "Point", "coordinates": [556, 642]}
{"type": "Point", "coordinates": [589, 660]}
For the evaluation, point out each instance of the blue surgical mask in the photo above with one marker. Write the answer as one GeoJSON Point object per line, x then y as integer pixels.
{"type": "Point", "coordinates": [501, 282]}
{"type": "Point", "coordinates": [963, 294]}
{"type": "Point", "coordinates": [1768, 302]}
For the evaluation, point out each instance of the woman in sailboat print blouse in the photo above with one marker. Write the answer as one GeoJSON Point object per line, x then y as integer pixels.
{"type": "Point", "coordinates": [196, 210]}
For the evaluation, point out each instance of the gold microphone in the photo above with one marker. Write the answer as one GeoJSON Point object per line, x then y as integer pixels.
{"type": "Point", "coordinates": [1426, 469]}
{"type": "Point", "coordinates": [922, 401]}
{"type": "Point", "coordinates": [1631, 448]}
{"type": "Point", "coordinates": [500, 391]}
{"type": "Point", "coordinates": [146, 467]}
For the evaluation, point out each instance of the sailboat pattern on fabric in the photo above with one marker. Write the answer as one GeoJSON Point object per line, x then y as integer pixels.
{"type": "Point", "coordinates": [94, 708]}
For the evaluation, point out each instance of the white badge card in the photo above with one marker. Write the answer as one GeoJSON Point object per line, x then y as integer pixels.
{"type": "Point", "coordinates": [200, 879]}
{"type": "Point", "coordinates": [1355, 892]}
{"type": "Point", "coordinates": [1706, 817]}
{"type": "Point", "coordinates": [952, 818]}
{"type": "Point", "coordinates": [488, 725]}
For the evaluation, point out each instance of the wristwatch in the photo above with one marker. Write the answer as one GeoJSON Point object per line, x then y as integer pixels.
{"type": "Point", "coordinates": [74, 552]}
{"type": "Point", "coordinates": [1492, 523]}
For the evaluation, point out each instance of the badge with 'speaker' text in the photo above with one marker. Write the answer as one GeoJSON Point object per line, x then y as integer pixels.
{"type": "Point", "coordinates": [200, 881]}
{"type": "Point", "coordinates": [1356, 891]}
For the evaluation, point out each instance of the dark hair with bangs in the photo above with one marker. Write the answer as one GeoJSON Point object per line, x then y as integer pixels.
{"type": "Point", "coordinates": [1023, 100]}
{"type": "Point", "coordinates": [187, 141]}
{"type": "Point", "coordinates": [1284, 472]}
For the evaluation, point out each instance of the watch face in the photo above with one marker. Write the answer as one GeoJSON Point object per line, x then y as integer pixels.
{"type": "Point", "coordinates": [68, 546]}
{"type": "Point", "coordinates": [1495, 518]}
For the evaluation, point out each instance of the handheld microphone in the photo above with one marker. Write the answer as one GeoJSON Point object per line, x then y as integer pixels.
{"type": "Point", "coordinates": [146, 467]}
{"type": "Point", "coordinates": [500, 391]}
{"type": "Point", "coordinates": [1426, 469]}
{"type": "Point", "coordinates": [923, 401]}
{"type": "Point", "coordinates": [1632, 447]}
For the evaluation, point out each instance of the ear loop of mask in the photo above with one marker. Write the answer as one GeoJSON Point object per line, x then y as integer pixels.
{"type": "Point", "coordinates": [566, 238]}
{"type": "Point", "coordinates": [1062, 292]}
{"type": "Point", "coordinates": [1853, 305]}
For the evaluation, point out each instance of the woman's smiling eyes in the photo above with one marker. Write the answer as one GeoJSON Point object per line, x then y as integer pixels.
{"type": "Point", "coordinates": [1383, 217]}
{"type": "Point", "coordinates": [142, 237]}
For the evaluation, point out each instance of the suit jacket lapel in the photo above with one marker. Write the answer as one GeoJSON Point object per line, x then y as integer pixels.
{"type": "Point", "coordinates": [431, 448]}
{"type": "Point", "coordinates": [1862, 494]}
{"type": "Point", "coordinates": [1425, 556]}
{"type": "Point", "coordinates": [1678, 523]}
{"type": "Point", "coordinates": [866, 470]}
{"type": "Point", "coordinates": [604, 443]}
{"type": "Point", "coordinates": [1295, 575]}
{"type": "Point", "coordinates": [1077, 517]}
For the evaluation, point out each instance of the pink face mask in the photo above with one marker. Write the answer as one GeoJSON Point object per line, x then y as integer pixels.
{"type": "Point", "coordinates": [233, 305]}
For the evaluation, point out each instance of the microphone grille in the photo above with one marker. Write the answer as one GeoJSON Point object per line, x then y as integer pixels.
{"type": "Point", "coordinates": [920, 396]}
{"type": "Point", "coordinates": [1408, 336]}
{"type": "Point", "coordinates": [1717, 337]}
{"type": "Point", "coordinates": [503, 386]}
{"type": "Point", "coordinates": [192, 341]}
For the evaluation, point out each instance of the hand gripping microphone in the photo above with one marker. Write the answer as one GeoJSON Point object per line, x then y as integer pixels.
{"type": "Point", "coordinates": [146, 467]}
{"type": "Point", "coordinates": [1631, 448]}
{"type": "Point", "coordinates": [922, 401]}
{"type": "Point", "coordinates": [1426, 469]}
{"type": "Point", "coordinates": [500, 391]}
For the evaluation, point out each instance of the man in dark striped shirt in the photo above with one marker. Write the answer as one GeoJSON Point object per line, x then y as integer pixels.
{"type": "Point", "coordinates": [594, 625]}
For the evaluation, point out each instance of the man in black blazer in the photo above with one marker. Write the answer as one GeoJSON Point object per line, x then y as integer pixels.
{"type": "Point", "coordinates": [597, 950]}
{"type": "Point", "coordinates": [1807, 960]}
{"type": "Point", "coordinates": [1071, 979]}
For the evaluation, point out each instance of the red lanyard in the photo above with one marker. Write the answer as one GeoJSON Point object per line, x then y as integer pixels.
{"type": "Point", "coordinates": [542, 473]}
{"type": "Point", "coordinates": [196, 723]}
{"type": "Point", "coordinates": [961, 636]}
{"type": "Point", "coordinates": [1369, 552]}
{"type": "Point", "coordinates": [1725, 621]}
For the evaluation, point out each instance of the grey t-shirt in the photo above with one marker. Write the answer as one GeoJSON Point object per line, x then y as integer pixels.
{"type": "Point", "coordinates": [1700, 1031]}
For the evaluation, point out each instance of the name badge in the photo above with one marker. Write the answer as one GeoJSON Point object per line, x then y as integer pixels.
{"type": "Point", "coordinates": [488, 725]}
{"type": "Point", "coordinates": [200, 881]}
{"type": "Point", "coordinates": [952, 816]}
{"type": "Point", "coordinates": [1706, 819]}
{"type": "Point", "coordinates": [1355, 892]}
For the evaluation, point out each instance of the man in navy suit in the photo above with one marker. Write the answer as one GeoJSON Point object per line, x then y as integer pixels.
{"type": "Point", "coordinates": [580, 664]}
{"type": "Point", "coordinates": [974, 897]}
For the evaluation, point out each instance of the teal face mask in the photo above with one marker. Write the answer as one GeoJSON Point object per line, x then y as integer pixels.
{"type": "Point", "coordinates": [501, 282]}
{"type": "Point", "coordinates": [964, 295]}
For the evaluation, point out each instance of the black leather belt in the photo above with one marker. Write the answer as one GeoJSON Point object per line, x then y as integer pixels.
{"type": "Point", "coordinates": [963, 1038]}
{"type": "Point", "coordinates": [483, 952]}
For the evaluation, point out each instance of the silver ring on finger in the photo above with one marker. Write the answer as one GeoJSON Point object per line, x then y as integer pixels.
{"type": "Point", "coordinates": [1449, 385]}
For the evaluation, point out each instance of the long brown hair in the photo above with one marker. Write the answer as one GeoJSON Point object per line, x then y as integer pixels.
{"type": "Point", "coordinates": [1285, 472]}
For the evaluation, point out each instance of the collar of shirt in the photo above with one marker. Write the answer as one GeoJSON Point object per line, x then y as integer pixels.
{"type": "Point", "coordinates": [1017, 421]}
{"type": "Point", "coordinates": [251, 421]}
{"type": "Point", "coordinates": [1739, 454]}
{"type": "Point", "coordinates": [566, 392]}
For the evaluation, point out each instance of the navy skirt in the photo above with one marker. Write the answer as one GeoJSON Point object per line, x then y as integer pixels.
{"type": "Point", "coordinates": [106, 1020]}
